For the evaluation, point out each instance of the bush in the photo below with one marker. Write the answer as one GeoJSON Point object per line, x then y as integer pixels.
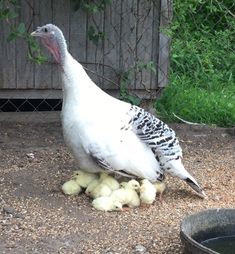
{"type": "Point", "coordinates": [202, 85]}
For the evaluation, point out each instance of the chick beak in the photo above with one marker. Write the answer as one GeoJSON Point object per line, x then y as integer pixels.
{"type": "Point", "coordinates": [37, 32]}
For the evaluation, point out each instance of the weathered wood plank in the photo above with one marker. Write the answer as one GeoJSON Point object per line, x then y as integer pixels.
{"type": "Point", "coordinates": [55, 94]}
{"type": "Point", "coordinates": [164, 44]}
{"type": "Point", "coordinates": [60, 17]}
{"type": "Point", "coordinates": [144, 44]}
{"type": "Point", "coordinates": [43, 72]}
{"type": "Point", "coordinates": [95, 48]}
{"type": "Point", "coordinates": [112, 29]}
{"type": "Point", "coordinates": [128, 40]}
{"type": "Point", "coordinates": [164, 62]}
{"type": "Point", "coordinates": [30, 93]}
{"type": "Point", "coordinates": [24, 67]}
{"type": "Point", "coordinates": [7, 58]}
{"type": "Point", "coordinates": [155, 42]}
{"type": "Point", "coordinates": [78, 34]}
{"type": "Point", "coordinates": [166, 12]}
{"type": "Point", "coordinates": [132, 35]}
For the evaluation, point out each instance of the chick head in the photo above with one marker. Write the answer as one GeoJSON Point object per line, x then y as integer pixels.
{"type": "Point", "coordinates": [77, 173]}
{"type": "Point", "coordinates": [133, 184]}
{"type": "Point", "coordinates": [117, 206]}
{"type": "Point", "coordinates": [123, 184]}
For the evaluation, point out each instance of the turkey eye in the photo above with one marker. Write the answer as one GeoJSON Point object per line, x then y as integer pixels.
{"type": "Point", "coordinates": [45, 30]}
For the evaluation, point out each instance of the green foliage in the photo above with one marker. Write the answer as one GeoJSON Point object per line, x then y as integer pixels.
{"type": "Point", "coordinates": [8, 12]}
{"type": "Point", "coordinates": [34, 52]}
{"type": "Point", "coordinates": [196, 104]}
{"type": "Point", "coordinates": [202, 63]}
{"type": "Point", "coordinates": [128, 75]}
{"type": "Point", "coordinates": [125, 94]}
{"type": "Point", "coordinates": [90, 6]}
{"type": "Point", "coordinates": [94, 35]}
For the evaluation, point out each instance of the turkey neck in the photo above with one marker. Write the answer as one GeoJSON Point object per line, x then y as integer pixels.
{"type": "Point", "coordinates": [78, 88]}
{"type": "Point", "coordinates": [57, 47]}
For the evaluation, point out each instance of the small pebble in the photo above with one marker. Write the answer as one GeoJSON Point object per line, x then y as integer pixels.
{"type": "Point", "coordinates": [216, 198]}
{"type": "Point", "coordinates": [139, 248]}
{"type": "Point", "coordinates": [9, 210]}
{"type": "Point", "coordinates": [12, 211]}
{"type": "Point", "coordinates": [30, 155]}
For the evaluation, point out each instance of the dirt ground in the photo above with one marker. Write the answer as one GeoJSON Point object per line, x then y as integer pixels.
{"type": "Point", "coordinates": [36, 217]}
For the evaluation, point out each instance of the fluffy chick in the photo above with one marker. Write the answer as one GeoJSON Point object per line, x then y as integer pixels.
{"type": "Point", "coordinates": [160, 187]}
{"type": "Point", "coordinates": [109, 180]}
{"type": "Point", "coordinates": [71, 187]}
{"type": "Point", "coordinates": [127, 194]}
{"type": "Point", "coordinates": [120, 195]}
{"type": "Point", "coordinates": [91, 186]}
{"type": "Point", "coordinates": [132, 187]}
{"type": "Point", "coordinates": [101, 190]}
{"type": "Point", "coordinates": [106, 204]}
{"type": "Point", "coordinates": [84, 178]}
{"type": "Point", "coordinates": [123, 184]}
{"type": "Point", "coordinates": [147, 192]}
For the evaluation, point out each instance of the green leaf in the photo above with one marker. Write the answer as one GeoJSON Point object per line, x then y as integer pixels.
{"type": "Point", "coordinates": [12, 36]}
{"type": "Point", "coordinates": [21, 28]}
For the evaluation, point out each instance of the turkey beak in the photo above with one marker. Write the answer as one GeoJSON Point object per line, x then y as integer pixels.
{"type": "Point", "coordinates": [37, 32]}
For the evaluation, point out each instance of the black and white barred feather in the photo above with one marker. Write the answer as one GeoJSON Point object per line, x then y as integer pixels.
{"type": "Point", "coordinates": [163, 142]}
{"type": "Point", "coordinates": [155, 133]}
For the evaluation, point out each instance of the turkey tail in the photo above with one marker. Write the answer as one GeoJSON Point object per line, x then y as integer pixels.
{"type": "Point", "coordinates": [176, 168]}
{"type": "Point", "coordinates": [195, 186]}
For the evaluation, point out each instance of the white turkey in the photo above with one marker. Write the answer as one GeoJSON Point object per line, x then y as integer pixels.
{"type": "Point", "coordinates": [106, 134]}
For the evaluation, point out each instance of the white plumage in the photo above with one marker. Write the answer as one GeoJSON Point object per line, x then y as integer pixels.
{"type": "Point", "coordinates": [108, 134]}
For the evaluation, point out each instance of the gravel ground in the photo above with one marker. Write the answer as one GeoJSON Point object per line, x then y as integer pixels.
{"type": "Point", "coordinates": [36, 217]}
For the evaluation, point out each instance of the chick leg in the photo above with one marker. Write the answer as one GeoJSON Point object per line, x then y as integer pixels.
{"type": "Point", "coordinates": [160, 198]}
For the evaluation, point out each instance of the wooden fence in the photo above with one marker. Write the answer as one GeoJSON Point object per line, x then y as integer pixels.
{"type": "Point", "coordinates": [132, 43]}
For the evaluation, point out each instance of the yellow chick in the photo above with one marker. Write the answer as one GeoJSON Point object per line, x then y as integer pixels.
{"type": "Point", "coordinates": [127, 194]}
{"type": "Point", "coordinates": [84, 178]}
{"type": "Point", "coordinates": [91, 186]}
{"type": "Point", "coordinates": [106, 204]}
{"type": "Point", "coordinates": [147, 192]}
{"type": "Point", "coordinates": [120, 195]}
{"type": "Point", "coordinates": [132, 184]}
{"type": "Point", "coordinates": [101, 190]}
{"type": "Point", "coordinates": [109, 180]}
{"type": "Point", "coordinates": [123, 184]}
{"type": "Point", "coordinates": [132, 187]}
{"type": "Point", "coordinates": [71, 187]}
{"type": "Point", "coordinates": [160, 187]}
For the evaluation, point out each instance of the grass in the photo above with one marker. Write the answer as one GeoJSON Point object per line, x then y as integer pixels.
{"type": "Point", "coordinates": [202, 79]}
{"type": "Point", "coordinates": [195, 104]}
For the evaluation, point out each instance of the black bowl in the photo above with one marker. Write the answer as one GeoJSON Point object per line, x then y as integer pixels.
{"type": "Point", "coordinates": [205, 225]}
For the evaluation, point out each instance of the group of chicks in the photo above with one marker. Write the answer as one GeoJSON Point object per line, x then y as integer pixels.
{"type": "Point", "coordinates": [110, 195]}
